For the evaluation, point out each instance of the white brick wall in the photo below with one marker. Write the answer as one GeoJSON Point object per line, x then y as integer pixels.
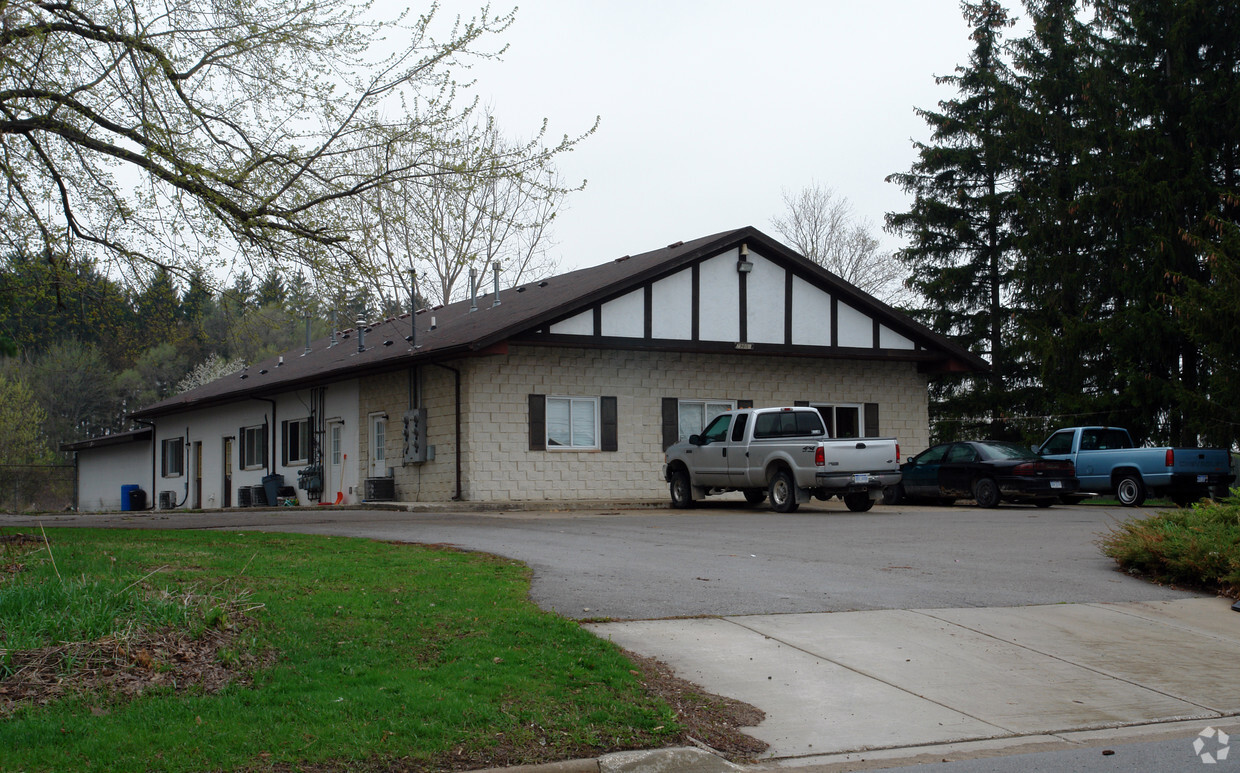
{"type": "Point", "coordinates": [497, 464]}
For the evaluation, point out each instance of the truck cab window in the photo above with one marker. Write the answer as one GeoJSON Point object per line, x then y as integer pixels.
{"type": "Point", "coordinates": [1060, 443]}
{"type": "Point", "coordinates": [717, 430]}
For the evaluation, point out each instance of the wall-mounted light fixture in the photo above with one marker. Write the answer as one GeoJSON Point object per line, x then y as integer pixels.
{"type": "Point", "coordinates": [743, 266]}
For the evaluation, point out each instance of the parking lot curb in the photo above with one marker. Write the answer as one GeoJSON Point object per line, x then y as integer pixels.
{"type": "Point", "coordinates": [679, 759]}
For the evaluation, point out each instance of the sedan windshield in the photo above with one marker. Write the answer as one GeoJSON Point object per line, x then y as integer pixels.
{"type": "Point", "coordinates": [997, 450]}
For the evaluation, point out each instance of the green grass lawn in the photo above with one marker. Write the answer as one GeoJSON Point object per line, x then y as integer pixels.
{"type": "Point", "coordinates": [347, 654]}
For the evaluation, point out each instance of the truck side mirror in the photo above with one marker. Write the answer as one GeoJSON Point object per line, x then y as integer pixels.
{"type": "Point", "coordinates": [1036, 449]}
{"type": "Point", "coordinates": [695, 440]}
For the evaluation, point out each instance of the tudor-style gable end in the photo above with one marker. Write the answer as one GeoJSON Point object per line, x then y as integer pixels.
{"type": "Point", "coordinates": [750, 297]}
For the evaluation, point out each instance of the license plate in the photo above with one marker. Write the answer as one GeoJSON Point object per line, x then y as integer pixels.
{"type": "Point", "coordinates": [861, 477]}
{"type": "Point", "coordinates": [1203, 478]}
{"type": "Point", "coordinates": [1057, 484]}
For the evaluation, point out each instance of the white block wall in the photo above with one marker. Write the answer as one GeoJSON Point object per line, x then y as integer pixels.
{"type": "Point", "coordinates": [497, 464]}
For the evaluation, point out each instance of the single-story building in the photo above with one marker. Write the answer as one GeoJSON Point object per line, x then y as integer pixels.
{"type": "Point", "coordinates": [562, 389]}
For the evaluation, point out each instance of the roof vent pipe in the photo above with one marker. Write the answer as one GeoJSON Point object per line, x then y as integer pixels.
{"type": "Point", "coordinates": [413, 308]}
{"type": "Point", "coordinates": [473, 289]}
{"type": "Point", "coordinates": [496, 265]}
{"type": "Point", "coordinates": [333, 343]}
{"type": "Point", "coordinates": [307, 351]}
{"type": "Point", "coordinates": [361, 335]}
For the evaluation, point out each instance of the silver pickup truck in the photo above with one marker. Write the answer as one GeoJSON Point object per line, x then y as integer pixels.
{"type": "Point", "coordinates": [783, 452]}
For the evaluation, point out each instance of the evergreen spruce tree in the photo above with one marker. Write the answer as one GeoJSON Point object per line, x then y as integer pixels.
{"type": "Point", "coordinates": [960, 228]}
{"type": "Point", "coordinates": [1172, 145]}
{"type": "Point", "coordinates": [1058, 279]}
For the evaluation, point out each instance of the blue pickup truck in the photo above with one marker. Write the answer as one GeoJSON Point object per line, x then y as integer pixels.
{"type": "Point", "coordinates": [1107, 462]}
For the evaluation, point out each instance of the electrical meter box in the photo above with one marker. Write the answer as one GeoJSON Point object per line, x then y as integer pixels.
{"type": "Point", "coordinates": [415, 436]}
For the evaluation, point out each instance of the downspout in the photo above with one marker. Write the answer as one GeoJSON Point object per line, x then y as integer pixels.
{"type": "Point", "coordinates": [185, 467]}
{"type": "Point", "coordinates": [154, 440]}
{"type": "Point", "coordinates": [271, 449]}
{"type": "Point", "coordinates": [457, 374]}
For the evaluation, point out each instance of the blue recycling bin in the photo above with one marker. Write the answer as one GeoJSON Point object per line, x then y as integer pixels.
{"type": "Point", "coordinates": [127, 497]}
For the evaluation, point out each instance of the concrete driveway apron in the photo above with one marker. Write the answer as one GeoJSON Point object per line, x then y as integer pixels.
{"type": "Point", "coordinates": [849, 681]}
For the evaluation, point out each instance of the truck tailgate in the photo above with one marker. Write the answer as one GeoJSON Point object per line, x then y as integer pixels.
{"type": "Point", "coordinates": [871, 454]}
{"type": "Point", "coordinates": [1201, 461]}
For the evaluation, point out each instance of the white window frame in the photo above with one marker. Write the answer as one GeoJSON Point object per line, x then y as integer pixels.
{"type": "Point", "coordinates": [579, 409]}
{"type": "Point", "coordinates": [834, 422]}
{"type": "Point", "coordinates": [720, 407]}
{"type": "Point", "coordinates": [173, 464]}
{"type": "Point", "coordinates": [259, 431]}
{"type": "Point", "coordinates": [300, 455]}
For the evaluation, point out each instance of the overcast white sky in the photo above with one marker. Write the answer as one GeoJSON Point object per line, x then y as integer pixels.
{"type": "Point", "coordinates": [710, 109]}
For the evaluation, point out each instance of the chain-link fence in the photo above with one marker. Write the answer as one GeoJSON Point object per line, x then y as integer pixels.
{"type": "Point", "coordinates": [41, 488]}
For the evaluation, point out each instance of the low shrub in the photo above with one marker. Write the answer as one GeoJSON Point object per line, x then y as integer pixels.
{"type": "Point", "coordinates": [1197, 547]}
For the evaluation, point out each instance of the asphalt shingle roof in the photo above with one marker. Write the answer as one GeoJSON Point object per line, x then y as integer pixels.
{"type": "Point", "coordinates": [460, 332]}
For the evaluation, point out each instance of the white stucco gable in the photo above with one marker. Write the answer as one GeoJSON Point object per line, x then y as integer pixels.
{"type": "Point", "coordinates": [741, 298]}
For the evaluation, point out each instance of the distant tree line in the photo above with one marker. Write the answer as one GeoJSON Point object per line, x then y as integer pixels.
{"type": "Point", "coordinates": [82, 351]}
{"type": "Point", "coordinates": [1076, 220]}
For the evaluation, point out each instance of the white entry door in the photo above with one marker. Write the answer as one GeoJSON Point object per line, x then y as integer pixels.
{"type": "Point", "coordinates": [333, 486]}
{"type": "Point", "coordinates": [378, 446]}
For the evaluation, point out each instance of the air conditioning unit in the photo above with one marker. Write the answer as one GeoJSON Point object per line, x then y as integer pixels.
{"type": "Point", "coordinates": [243, 496]}
{"type": "Point", "coordinates": [167, 500]}
{"type": "Point", "coordinates": [258, 495]}
{"type": "Point", "coordinates": [380, 489]}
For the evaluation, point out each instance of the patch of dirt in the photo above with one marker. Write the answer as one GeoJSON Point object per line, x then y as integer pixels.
{"type": "Point", "coordinates": [115, 669]}
{"type": "Point", "coordinates": [11, 551]}
{"type": "Point", "coordinates": [710, 720]}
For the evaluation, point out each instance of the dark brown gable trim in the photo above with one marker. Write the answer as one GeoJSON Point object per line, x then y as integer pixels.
{"type": "Point", "coordinates": [787, 307]}
{"type": "Point", "coordinates": [598, 320]}
{"type": "Point", "coordinates": [648, 330]}
{"type": "Point", "coordinates": [696, 303]}
{"type": "Point", "coordinates": [835, 321]}
{"type": "Point", "coordinates": [744, 304]}
{"type": "Point", "coordinates": [538, 422]}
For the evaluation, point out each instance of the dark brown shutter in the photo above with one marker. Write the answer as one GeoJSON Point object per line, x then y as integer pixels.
{"type": "Point", "coordinates": [871, 420]}
{"type": "Point", "coordinates": [538, 422]}
{"type": "Point", "coordinates": [610, 433]}
{"type": "Point", "coordinates": [671, 422]}
{"type": "Point", "coordinates": [284, 443]}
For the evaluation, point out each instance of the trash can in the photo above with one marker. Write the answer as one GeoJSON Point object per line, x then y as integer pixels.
{"type": "Point", "coordinates": [126, 494]}
{"type": "Point", "coordinates": [137, 499]}
{"type": "Point", "coordinates": [271, 487]}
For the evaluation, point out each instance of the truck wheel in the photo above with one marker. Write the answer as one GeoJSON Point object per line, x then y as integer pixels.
{"type": "Point", "coordinates": [858, 501]}
{"type": "Point", "coordinates": [783, 493]}
{"type": "Point", "coordinates": [986, 492]}
{"type": "Point", "coordinates": [893, 495]}
{"type": "Point", "coordinates": [1130, 491]}
{"type": "Point", "coordinates": [682, 491]}
{"type": "Point", "coordinates": [755, 496]}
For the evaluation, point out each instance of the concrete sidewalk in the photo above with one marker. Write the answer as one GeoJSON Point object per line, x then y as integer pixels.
{"type": "Point", "coordinates": [835, 685]}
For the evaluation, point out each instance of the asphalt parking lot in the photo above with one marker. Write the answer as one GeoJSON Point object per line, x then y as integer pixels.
{"type": "Point", "coordinates": [721, 560]}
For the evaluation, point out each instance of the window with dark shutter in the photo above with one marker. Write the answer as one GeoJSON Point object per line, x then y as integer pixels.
{"type": "Point", "coordinates": [671, 421]}
{"type": "Point", "coordinates": [538, 422]}
{"type": "Point", "coordinates": [871, 420]}
{"type": "Point", "coordinates": [609, 429]}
